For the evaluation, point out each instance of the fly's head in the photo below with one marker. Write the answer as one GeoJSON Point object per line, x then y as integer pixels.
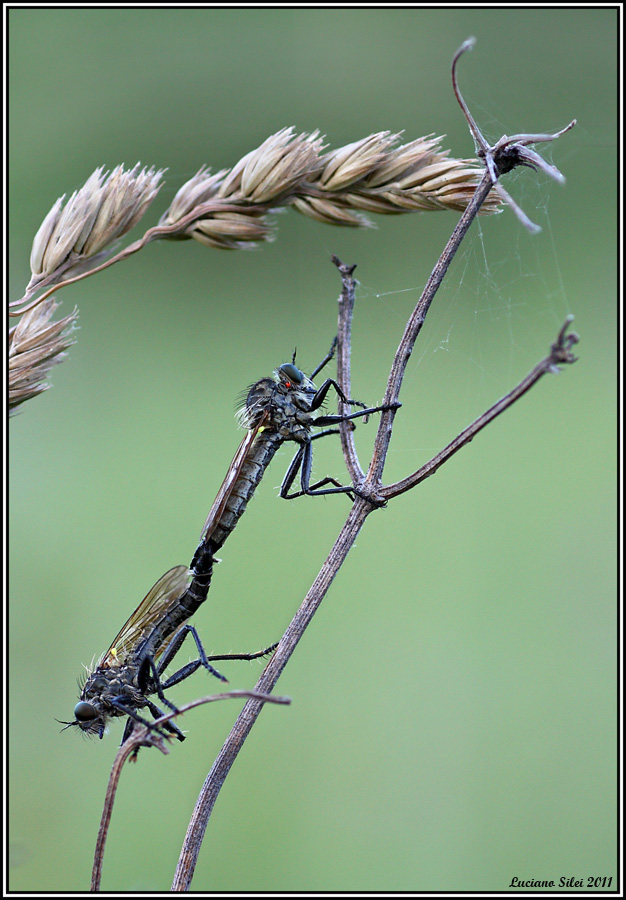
{"type": "Point", "coordinates": [89, 718]}
{"type": "Point", "coordinates": [289, 389]}
{"type": "Point", "coordinates": [295, 384]}
{"type": "Point", "coordinates": [94, 709]}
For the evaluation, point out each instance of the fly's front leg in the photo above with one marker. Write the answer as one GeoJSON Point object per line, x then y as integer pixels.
{"type": "Point", "coordinates": [135, 717]}
{"type": "Point", "coordinates": [326, 359]}
{"type": "Point", "coordinates": [169, 726]}
{"type": "Point", "coordinates": [320, 396]}
{"type": "Point", "coordinates": [172, 649]}
{"type": "Point", "coordinates": [157, 713]}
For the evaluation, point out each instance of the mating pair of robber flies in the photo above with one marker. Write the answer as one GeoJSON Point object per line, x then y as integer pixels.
{"type": "Point", "coordinates": [276, 409]}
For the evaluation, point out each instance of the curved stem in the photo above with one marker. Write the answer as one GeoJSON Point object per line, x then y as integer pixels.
{"type": "Point", "coordinates": [250, 713]}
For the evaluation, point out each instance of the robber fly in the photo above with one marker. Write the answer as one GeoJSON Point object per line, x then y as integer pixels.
{"type": "Point", "coordinates": [130, 671]}
{"type": "Point", "coordinates": [278, 409]}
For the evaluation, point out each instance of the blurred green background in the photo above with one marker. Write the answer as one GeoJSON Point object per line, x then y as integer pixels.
{"type": "Point", "coordinates": [453, 716]}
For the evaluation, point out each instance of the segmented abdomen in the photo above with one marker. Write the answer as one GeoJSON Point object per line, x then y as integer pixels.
{"type": "Point", "coordinates": [257, 460]}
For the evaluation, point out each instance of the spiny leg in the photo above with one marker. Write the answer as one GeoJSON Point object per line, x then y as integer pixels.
{"type": "Point", "coordinates": [134, 716]}
{"type": "Point", "coordinates": [170, 726]}
{"type": "Point", "coordinates": [157, 713]}
{"type": "Point", "coordinates": [326, 359]}
{"type": "Point", "coordinates": [191, 667]}
{"type": "Point", "coordinates": [245, 656]}
{"type": "Point", "coordinates": [322, 391]}
{"type": "Point", "coordinates": [334, 419]}
{"type": "Point", "coordinates": [303, 460]}
{"type": "Point", "coordinates": [174, 646]}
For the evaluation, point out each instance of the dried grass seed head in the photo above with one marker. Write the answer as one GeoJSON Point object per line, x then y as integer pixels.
{"type": "Point", "coordinates": [229, 210]}
{"type": "Point", "coordinates": [102, 210]}
{"type": "Point", "coordinates": [347, 165]}
{"type": "Point", "coordinates": [231, 231]}
{"type": "Point", "coordinates": [35, 345]}
{"type": "Point", "coordinates": [273, 171]}
{"type": "Point", "coordinates": [199, 189]}
{"type": "Point", "coordinates": [375, 176]}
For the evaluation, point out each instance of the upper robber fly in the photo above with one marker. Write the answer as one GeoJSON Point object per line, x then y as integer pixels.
{"type": "Point", "coordinates": [278, 409]}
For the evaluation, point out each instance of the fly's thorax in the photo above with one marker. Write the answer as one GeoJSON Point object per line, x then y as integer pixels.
{"type": "Point", "coordinates": [119, 683]}
{"type": "Point", "coordinates": [291, 421]}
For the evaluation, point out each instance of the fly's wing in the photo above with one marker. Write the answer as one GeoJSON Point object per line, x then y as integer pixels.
{"type": "Point", "coordinates": [234, 470]}
{"type": "Point", "coordinates": [169, 588]}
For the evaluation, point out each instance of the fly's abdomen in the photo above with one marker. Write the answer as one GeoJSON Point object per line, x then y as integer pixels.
{"type": "Point", "coordinates": [257, 461]}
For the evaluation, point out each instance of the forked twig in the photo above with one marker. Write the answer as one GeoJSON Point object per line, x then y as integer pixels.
{"type": "Point", "coordinates": [128, 750]}
{"type": "Point", "coordinates": [142, 736]}
{"type": "Point", "coordinates": [560, 354]}
{"type": "Point", "coordinates": [505, 155]}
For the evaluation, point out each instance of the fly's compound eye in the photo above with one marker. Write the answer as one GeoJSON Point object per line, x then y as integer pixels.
{"type": "Point", "coordinates": [291, 373]}
{"type": "Point", "coordinates": [84, 712]}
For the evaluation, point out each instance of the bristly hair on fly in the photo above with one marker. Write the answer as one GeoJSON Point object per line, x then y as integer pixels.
{"type": "Point", "coordinates": [241, 411]}
{"type": "Point", "coordinates": [247, 413]}
{"type": "Point", "coordinates": [89, 670]}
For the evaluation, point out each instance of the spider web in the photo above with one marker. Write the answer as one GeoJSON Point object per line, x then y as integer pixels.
{"type": "Point", "coordinates": [493, 318]}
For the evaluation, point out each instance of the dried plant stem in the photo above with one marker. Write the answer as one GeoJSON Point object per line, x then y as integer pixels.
{"type": "Point", "coordinates": [141, 736]}
{"type": "Point", "coordinates": [560, 354]}
{"type": "Point", "coordinates": [371, 489]}
{"type": "Point", "coordinates": [414, 326]}
{"type": "Point", "coordinates": [344, 340]}
{"type": "Point", "coordinates": [271, 674]}
{"type": "Point", "coordinates": [403, 353]}
{"type": "Point", "coordinates": [126, 751]}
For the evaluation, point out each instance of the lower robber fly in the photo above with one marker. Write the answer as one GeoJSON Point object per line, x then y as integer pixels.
{"type": "Point", "coordinates": [131, 669]}
{"type": "Point", "coordinates": [276, 410]}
